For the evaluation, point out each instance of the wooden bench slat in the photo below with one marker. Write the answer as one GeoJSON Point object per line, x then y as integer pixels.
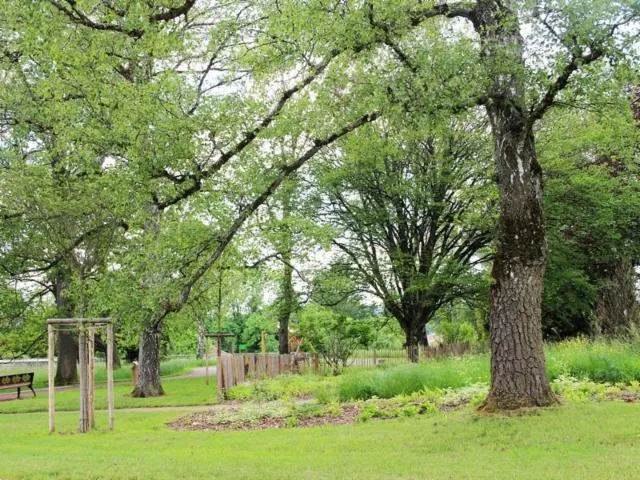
{"type": "Point", "coordinates": [17, 380]}
{"type": "Point", "coordinates": [13, 385]}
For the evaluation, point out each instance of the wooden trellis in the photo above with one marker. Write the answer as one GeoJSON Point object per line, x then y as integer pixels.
{"type": "Point", "coordinates": [86, 328]}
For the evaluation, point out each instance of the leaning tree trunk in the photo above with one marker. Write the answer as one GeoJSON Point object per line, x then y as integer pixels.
{"type": "Point", "coordinates": [149, 364]}
{"type": "Point", "coordinates": [518, 376]}
{"type": "Point", "coordinates": [67, 344]}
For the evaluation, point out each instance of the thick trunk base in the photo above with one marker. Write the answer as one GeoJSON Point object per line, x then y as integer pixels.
{"type": "Point", "coordinates": [67, 367]}
{"type": "Point", "coordinates": [283, 337]}
{"type": "Point", "coordinates": [413, 346]}
{"type": "Point", "coordinates": [518, 375]}
{"type": "Point", "coordinates": [149, 365]}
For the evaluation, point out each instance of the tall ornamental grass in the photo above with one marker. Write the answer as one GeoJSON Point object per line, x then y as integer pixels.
{"type": "Point", "coordinates": [613, 361]}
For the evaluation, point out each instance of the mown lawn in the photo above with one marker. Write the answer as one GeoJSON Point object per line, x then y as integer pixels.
{"type": "Point", "coordinates": [169, 367]}
{"type": "Point", "coordinates": [588, 440]}
{"type": "Point", "coordinates": [178, 392]}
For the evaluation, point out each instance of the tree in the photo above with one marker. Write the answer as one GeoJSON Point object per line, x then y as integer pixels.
{"type": "Point", "coordinates": [592, 207]}
{"type": "Point", "coordinates": [412, 212]}
{"type": "Point", "coordinates": [287, 298]}
{"type": "Point", "coordinates": [147, 86]}
{"type": "Point", "coordinates": [186, 143]}
{"type": "Point", "coordinates": [335, 336]}
{"type": "Point", "coordinates": [58, 221]}
{"type": "Point", "coordinates": [575, 35]}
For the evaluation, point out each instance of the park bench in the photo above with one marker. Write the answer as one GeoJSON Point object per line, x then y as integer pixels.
{"type": "Point", "coordinates": [17, 380]}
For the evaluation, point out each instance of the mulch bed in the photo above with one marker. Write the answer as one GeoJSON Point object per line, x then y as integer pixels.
{"type": "Point", "coordinates": [629, 397]}
{"type": "Point", "coordinates": [204, 421]}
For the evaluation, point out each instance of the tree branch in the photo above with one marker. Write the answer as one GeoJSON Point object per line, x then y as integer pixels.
{"type": "Point", "coordinates": [576, 62]}
{"type": "Point", "coordinates": [449, 10]}
{"type": "Point", "coordinates": [224, 240]}
{"type": "Point", "coordinates": [70, 9]}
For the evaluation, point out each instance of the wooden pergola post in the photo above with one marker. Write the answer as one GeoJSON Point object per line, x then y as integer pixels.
{"type": "Point", "coordinates": [52, 377]}
{"type": "Point", "coordinates": [86, 346]}
{"type": "Point", "coordinates": [91, 384]}
{"type": "Point", "coordinates": [110, 373]}
{"type": "Point", "coordinates": [82, 357]}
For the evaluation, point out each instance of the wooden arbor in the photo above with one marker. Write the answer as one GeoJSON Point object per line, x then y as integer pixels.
{"type": "Point", "coordinates": [86, 328]}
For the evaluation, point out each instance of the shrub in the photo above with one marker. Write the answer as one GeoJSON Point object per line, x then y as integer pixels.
{"type": "Point", "coordinates": [334, 336]}
{"type": "Point", "coordinates": [456, 332]}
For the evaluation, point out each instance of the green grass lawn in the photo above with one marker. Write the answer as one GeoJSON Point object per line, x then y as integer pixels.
{"type": "Point", "coordinates": [590, 440]}
{"type": "Point", "coordinates": [178, 392]}
{"type": "Point", "coordinates": [169, 367]}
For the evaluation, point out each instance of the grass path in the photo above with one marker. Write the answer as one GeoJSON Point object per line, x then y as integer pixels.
{"type": "Point", "coordinates": [573, 441]}
{"type": "Point", "coordinates": [178, 392]}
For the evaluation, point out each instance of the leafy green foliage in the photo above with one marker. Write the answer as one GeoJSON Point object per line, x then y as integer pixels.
{"type": "Point", "coordinates": [411, 202]}
{"type": "Point", "coordinates": [335, 336]}
{"type": "Point", "coordinates": [592, 208]}
{"type": "Point", "coordinates": [456, 332]}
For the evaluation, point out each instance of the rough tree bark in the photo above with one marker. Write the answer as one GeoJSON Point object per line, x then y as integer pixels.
{"type": "Point", "coordinates": [413, 339]}
{"type": "Point", "coordinates": [518, 376]}
{"type": "Point", "coordinates": [617, 307]}
{"type": "Point", "coordinates": [286, 287]}
{"type": "Point", "coordinates": [67, 345]}
{"type": "Point", "coordinates": [151, 337]}
{"type": "Point", "coordinates": [286, 305]}
{"type": "Point", "coordinates": [149, 367]}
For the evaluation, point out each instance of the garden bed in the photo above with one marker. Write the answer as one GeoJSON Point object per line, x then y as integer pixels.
{"type": "Point", "coordinates": [291, 411]}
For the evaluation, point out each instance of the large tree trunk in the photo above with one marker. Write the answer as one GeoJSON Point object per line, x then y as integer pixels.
{"type": "Point", "coordinates": [67, 344]}
{"type": "Point", "coordinates": [518, 376]}
{"type": "Point", "coordinates": [149, 364]}
{"type": "Point", "coordinates": [150, 340]}
{"type": "Point", "coordinates": [617, 308]}
{"type": "Point", "coordinates": [67, 365]}
{"type": "Point", "coordinates": [414, 333]}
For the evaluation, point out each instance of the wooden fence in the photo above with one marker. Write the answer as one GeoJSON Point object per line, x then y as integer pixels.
{"type": "Point", "coordinates": [377, 357]}
{"type": "Point", "coordinates": [235, 368]}
{"type": "Point", "coordinates": [450, 350]}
